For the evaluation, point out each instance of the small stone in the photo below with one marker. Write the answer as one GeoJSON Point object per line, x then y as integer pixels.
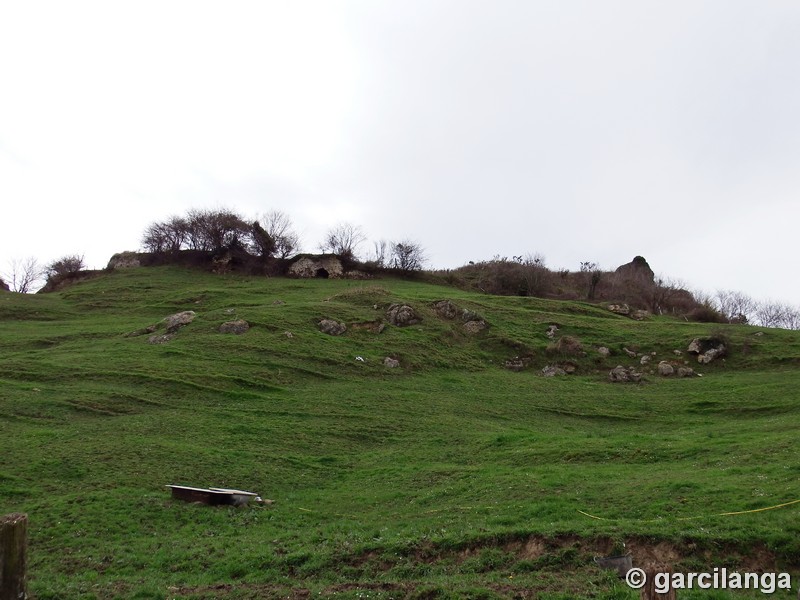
{"type": "Point", "coordinates": [645, 359]}
{"type": "Point", "coordinates": [288, 334]}
{"type": "Point", "coordinates": [160, 339]}
{"type": "Point", "coordinates": [230, 311]}
{"type": "Point", "coordinates": [391, 363]}
{"type": "Point", "coordinates": [677, 353]}
{"type": "Point", "coordinates": [603, 351]}
{"type": "Point", "coordinates": [685, 372]}
{"type": "Point", "coordinates": [630, 353]}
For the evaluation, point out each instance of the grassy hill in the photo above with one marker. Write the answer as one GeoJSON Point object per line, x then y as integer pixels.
{"type": "Point", "coordinates": [450, 476]}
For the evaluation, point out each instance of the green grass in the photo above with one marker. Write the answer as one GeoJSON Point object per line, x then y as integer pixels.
{"type": "Point", "coordinates": [449, 477]}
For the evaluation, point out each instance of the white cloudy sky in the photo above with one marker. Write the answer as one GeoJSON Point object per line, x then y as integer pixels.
{"type": "Point", "coordinates": [583, 130]}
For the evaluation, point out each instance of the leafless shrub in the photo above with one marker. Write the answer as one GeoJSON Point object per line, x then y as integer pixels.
{"type": "Point", "coordinates": [343, 240]}
{"type": "Point", "coordinates": [24, 274]}
{"type": "Point", "coordinates": [407, 256]}
{"type": "Point", "coordinates": [66, 265]}
{"type": "Point", "coordinates": [593, 274]}
{"type": "Point", "coordinates": [280, 229]}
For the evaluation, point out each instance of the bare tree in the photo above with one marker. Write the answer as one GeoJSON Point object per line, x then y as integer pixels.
{"type": "Point", "coordinates": [280, 228]}
{"type": "Point", "coordinates": [343, 240]}
{"type": "Point", "coordinates": [24, 274]}
{"type": "Point", "coordinates": [770, 313]}
{"type": "Point", "coordinates": [535, 274]}
{"type": "Point", "coordinates": [593, 276]}
{"type": "Point", "coordinates": [215, 230]}
{"type": "Point", "coordinates": [407, 256]}
{"type": "Point", "coordinates": [737, 307]}
{"type": "Point", "coordinates": [662, 293]}
{"type": "Point", "coordinates": [380, 253]}
{"type": "Point", "coordinates": [168, 236]}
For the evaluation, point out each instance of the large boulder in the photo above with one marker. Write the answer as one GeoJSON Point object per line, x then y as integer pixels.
{"type": "Point", "coordinates": [402, 315]}
{"type": "Point", "coordinates": [637, 270]}
{"type": "Point", "coordinates": [124, 260]}
{"type": "Point", "coordinates": [332, 327]}
{"type": "Point", "coordinates": [178, 320]}
{"type": "Point", "coordinates": [238, 327]}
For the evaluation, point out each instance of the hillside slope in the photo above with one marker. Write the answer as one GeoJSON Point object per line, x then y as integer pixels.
{"type": "Point", "coordinates": [449, 476]}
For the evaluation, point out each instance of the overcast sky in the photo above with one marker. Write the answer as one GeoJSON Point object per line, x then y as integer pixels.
{"type": "Point", "coordinates": [583, 130]}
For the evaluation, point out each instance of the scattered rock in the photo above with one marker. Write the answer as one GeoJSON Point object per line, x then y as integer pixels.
{"type": "Point", "coordinates": [230, 311]}
{"type": "Point", "coordinates": [517, 363]}
{"type": "Point", "coordinates": [707, 349]}
{"type": "Point", "coordinates": [473, 327]}
{"type": "Point", "coordinates": [551, 331]}
{"type": "Point", "coordinates": [630, 353]}
{"type": "Point", "coordinates": [640, 315]}
{"type": "Point", "coordinates": [665, 369]}
{"type": "Point", "coordinates": [402, 315]}
{"type": "Point", "coordinates": [620, 309]}
{"type": "Point", "coordinates": [620, 374]}
{"type": "Point", "coordinates": [569, 368]}
{"type": "Point", "coordinates": [685, 372]}
{"type": "Point", "coordinates": [178, 320]}
{"type": "Point", "coordinates": [390, 362]}
{"type": "Point", "coordinates": [604, 352]}
{"type": "Point", "coordinates": [161, 338]}
{"type": "Point", "coordinates": [711, 354]}
{"type": "Point", "coordinates": [288, 334]}
{"type": "Point", "coordinates": [470, 315]}
{"type": "Point", "coordinates": [553, 371]}
{"type": "Point", "coordinates": [677, 353]}
{"type": "Point", "coordinates": [645, 359]}
{"type": "Point", "coordinates": [332, 327]}
{"type": "Point", "coordinates": [446, 309]}
{"type": "Point", "coordinates": [237, 327]}
{"type": "Point", "coordinates": [567, 345]}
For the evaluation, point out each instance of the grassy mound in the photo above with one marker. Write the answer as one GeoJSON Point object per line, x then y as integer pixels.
{"type": "Point", "coordinates": [449, 476]}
